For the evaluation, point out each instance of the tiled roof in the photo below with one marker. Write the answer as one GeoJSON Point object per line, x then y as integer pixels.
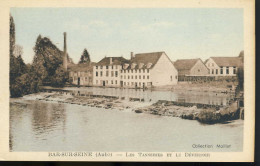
{"type": "Point", "coordinates": [185, 64]}
{"type": "Point", "coordinates": [143, 60]}
{"type": "Point", "coordinates": [81, 67]}
{"type": "Point", "coordinates": [115, 61]}
{"type": "Point", "coordinates": [228, 61]}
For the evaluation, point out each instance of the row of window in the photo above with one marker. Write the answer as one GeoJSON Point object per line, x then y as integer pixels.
{"type": "Point", "coordinates": [221, 70]}
{"type": "Point", "coordinates": [134, 70]}
{"type": "Point", "coordinates": [80, 74]}
{"type": "Point", "coordinates": [107, 67]}
{"type": "Point", "coordinates": [132, 77]}
{"type": "Point", "coordinates": [106, 82]}
{"type": "Point", "coordinates": [84, 78]}
{"type": "Point", "coordinates": [112, 74]}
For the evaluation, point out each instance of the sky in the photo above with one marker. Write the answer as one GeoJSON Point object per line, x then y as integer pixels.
{"type": "Point", "coordinates": [182, 33]}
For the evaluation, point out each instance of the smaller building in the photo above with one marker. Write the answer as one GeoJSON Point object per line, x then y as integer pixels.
{"type": "Point", "coordinates": [81, 74]}
{"type": "Point", "coordinates": [224, 66]}
{"type": "Point", "coordinates": [191, 67]}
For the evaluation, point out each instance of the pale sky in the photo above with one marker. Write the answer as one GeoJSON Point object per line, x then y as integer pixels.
{"type": "Point", "coordinates": [181, 32]}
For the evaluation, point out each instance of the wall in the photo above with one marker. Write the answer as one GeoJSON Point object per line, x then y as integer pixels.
{"type": "Point", "coordinates": [164, 73]}
{"type": "Point", "coordinates": [211, 65]}
{"type": "Point", "coordinates": [110, 81]}
{"type": "Point", "coordinates": [199, 69]}
{"type": "Point", "coordinates": [132, 77]}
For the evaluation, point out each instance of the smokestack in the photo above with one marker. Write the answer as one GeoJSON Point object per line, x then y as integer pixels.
{"type": "Point", "coordinates": [65, 52]}
{"type": "Point", "coordinates": [132, 55]}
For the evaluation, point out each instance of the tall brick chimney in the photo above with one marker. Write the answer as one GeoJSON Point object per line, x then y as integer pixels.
{"type": "Point", "coordinates": [65, 52]}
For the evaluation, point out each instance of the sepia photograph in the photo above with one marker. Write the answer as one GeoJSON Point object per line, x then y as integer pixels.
{"type": "Point", "coordinates": [128, 82]}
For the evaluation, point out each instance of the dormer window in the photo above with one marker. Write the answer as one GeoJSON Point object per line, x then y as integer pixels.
{"type": "Point", "coordinates": [149, 65]}
{"type": "Point", "coordinates": [141, 65]}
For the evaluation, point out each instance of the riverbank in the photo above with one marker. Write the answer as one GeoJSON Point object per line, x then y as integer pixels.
{"type": "Point", "coordinates": [204, 113]}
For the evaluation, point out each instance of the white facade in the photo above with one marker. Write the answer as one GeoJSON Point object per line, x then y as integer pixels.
{"type": "Point", "coordinates": [215, 70]}
{"type": "Point", "coordinates": [138, 78]}
{"type": "Point", "coordinates": [164, 73]}
{"type": "Point", "coordinates": [107, 75]}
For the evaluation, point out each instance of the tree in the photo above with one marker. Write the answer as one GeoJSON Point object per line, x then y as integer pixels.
{"type": "Point", "coordinates": [240, 77]}
{"type": "Point", "coordinates": [85, 57]}
{"type": "Point", "coordinates": [60, 77]}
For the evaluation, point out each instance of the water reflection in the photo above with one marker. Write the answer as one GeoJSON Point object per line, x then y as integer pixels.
{"type": "Point", "coordinates": [47, 126]}
{"type": "Point", "coordinates": [153, 96]}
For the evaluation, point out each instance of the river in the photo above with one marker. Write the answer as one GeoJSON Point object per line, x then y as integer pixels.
{"type": "Point", "coordinates": [49, 126]}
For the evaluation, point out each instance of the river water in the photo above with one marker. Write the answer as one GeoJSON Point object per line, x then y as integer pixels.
{"type": "Point", "coordinates": [49, 126]}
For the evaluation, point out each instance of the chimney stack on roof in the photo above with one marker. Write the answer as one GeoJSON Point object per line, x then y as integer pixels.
{"type": "Point", "coordinates": [132, 55]}
{"type": "Point", "coordinates": [110, 60]}
{"type": "Point", "coordinates": [65, 52]}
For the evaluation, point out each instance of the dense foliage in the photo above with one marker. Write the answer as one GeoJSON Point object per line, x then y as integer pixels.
{"type": "Point", "coordinates": [45, 70]}
{"type": "Point", "coordinates": [85, 57]}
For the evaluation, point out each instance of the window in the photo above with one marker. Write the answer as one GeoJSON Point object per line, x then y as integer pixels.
{"type": "Point", "coordinates": [116, 73]}
{"type": "Point", "coordinates": [96, 81]}
{"type": "Point", "coordinates": [132, 83]}
{"type": "Point", "coordinates": [115, 81]}
{"type": "Point", "coordinates": [135, 71]}
{"type": "Point", "coordinates": [139, 83]}
{"type": "Point", "coordinates": [96, 67]}
{"type": "Point", "coordinates": [101, 74]}
{"type": "Point", "coordinates": [135, 77]}
{"type": "Point", "coordinates": [198, 70]}
{"type": "Point", "coordinates": [128, 77]}
{"type": "Point", "coordinates": [97, 74]}
{"type": "Point", "coordinates": [121, 77]}
{"type": "Point", "coordinates": [139, 77]}
{"type": "Point", "coordinates": [111, 81]}
{"type": "Point", "coordinates": [234, 70]}
{"type": "Point", "coordinates": [106, 67]}
{"type": "Point", "coordinates": [147, 77]}
{"type": "Point", "coordinates": [140, 70]}
{"type": "Point", "coordinates": [124, 77]}
{"type": "Point", "coordinates": [112, 67]}
{"type": "Point", "coordinates": [86, 78]}
{"type": "Point", "coordinates": [128, 83]}
{"type": "Point", "coordinates": [124, 71]}
{"type": "Point", "coordinates": [171, 78]}
{"type": "Point", "coordinates": [147, 70]}
{"type": "Point", "coordinates": [121, 71]}
{"type": "Point", "coordinates": [107, 73]}
{"type": "Point", "coordinates": [176, 77]}
{"type": "Point", "coordinates": [131, 71]}
{"type": "Point", "coordinates": [112, 74]}
{"type": "Point", "coordinates": [221, 70]}
{"type": "Point", "coordinates": [101, 67]}
{"type": "Point", "coordinates": [227, 70]}
{"type": "Point", "coordinates": [132, 77]}
{"type": "Point", "coordinates": [212, 71]}
{"type": "Point", "coordinates": [216, 71]}
{"type": "Point", "coordinates": [106, 81]}
{"type": "Point", "coordinates": [124, 83]}
{"type": "Point", "coordinates": [116, 66]}
{"type": "Point", "coordinates": [143, 77]}
{"type": "Point", "coordinates": [127, 71]}
{"type": "Point", "coordinates": [143, 70]}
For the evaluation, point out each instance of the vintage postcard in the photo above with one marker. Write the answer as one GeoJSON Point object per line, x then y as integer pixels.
{"type": "Point", "coordinates": [127, 81]}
